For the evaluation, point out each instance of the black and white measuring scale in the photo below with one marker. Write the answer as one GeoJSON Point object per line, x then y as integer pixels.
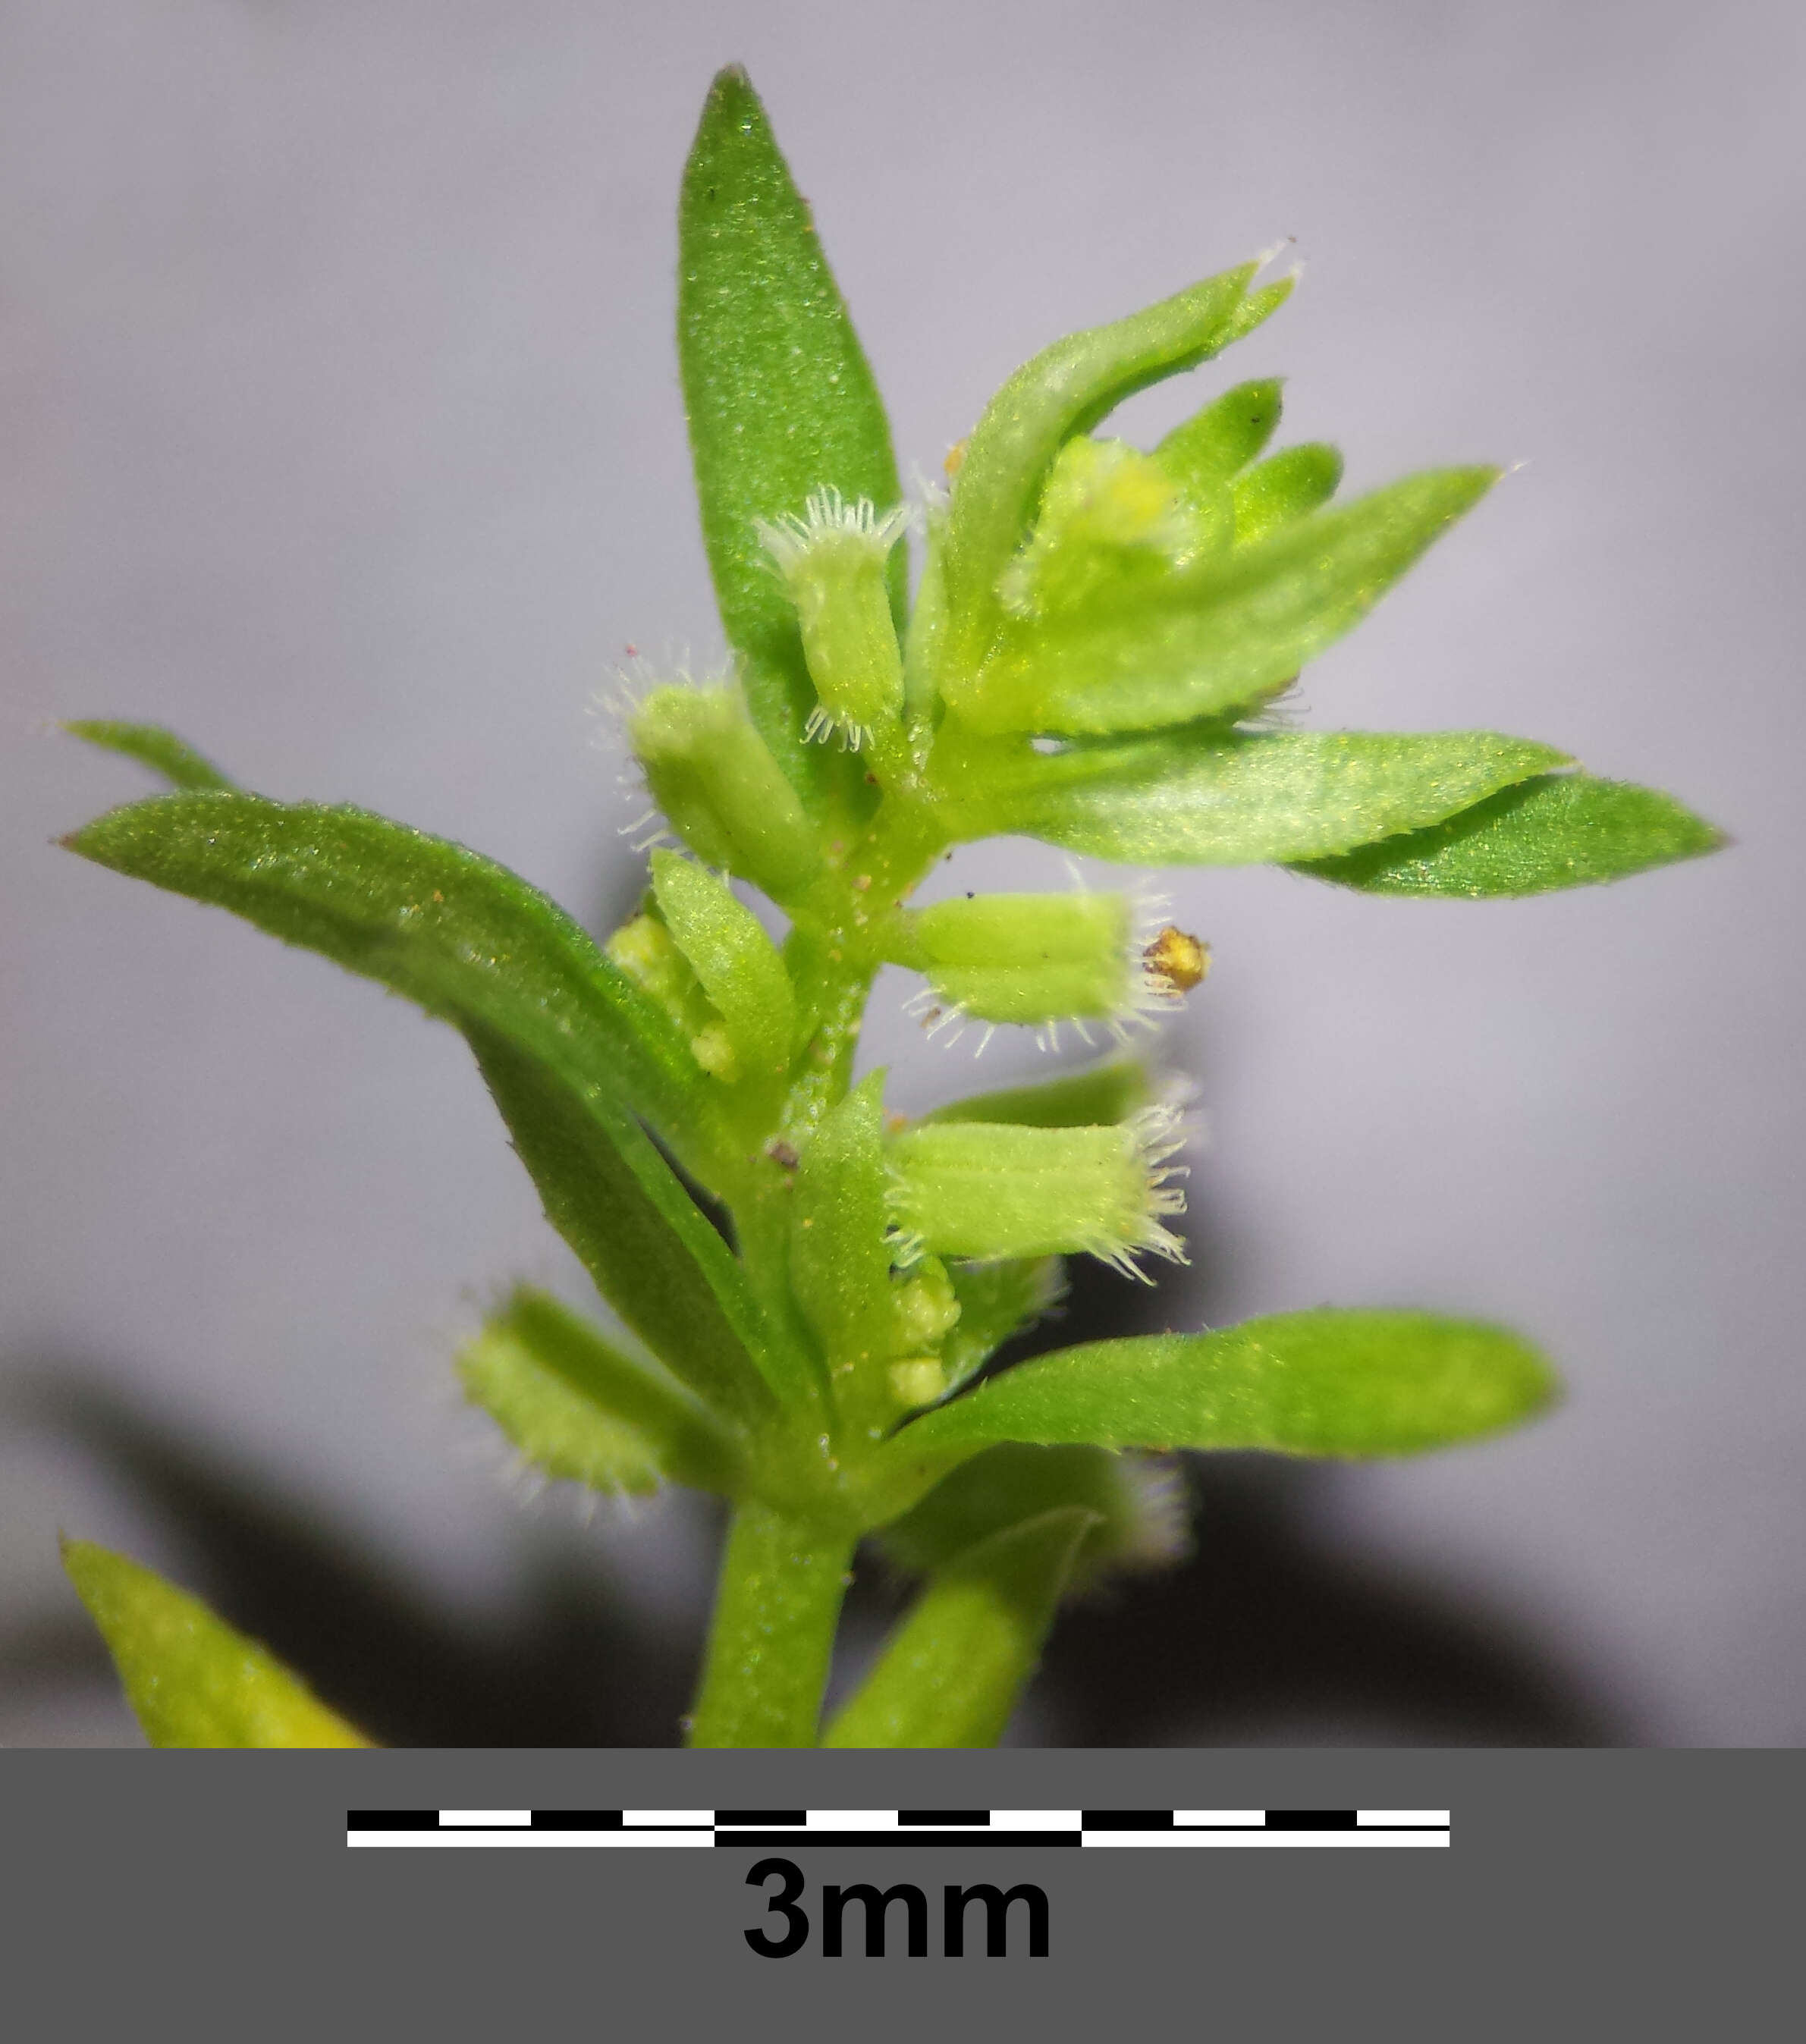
{"type": "Point", "coordinates": [767, 1830]}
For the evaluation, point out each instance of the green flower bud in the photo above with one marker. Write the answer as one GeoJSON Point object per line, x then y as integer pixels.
{"type": "Point", "coordinates": [996, 1189]}
{"type": "Point", "coordinates": [723, 793]}
{"type": "Point", "coordinates": [1043, 958]}
{"type": "Point", "coordinates": [646, 951]}
{"type": "Point", "coordinates": [1108, 511]}
{"type": "Point", "coordinates": [832, 561]}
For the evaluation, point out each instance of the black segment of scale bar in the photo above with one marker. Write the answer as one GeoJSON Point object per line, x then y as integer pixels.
{"type": "Point", "coordinates": [391, 1820]}
{"type": "Point", "coordinates": [1128, 1820]}
{"type": "Point", "coordinates": [577, 1820]}
{"type": "Point", "coordinates": [1310, 1820]}
{"type": "Point", "coordinates": [943, 1818]}
{"type": "Point", "coordinates": [764, 1818]}
{"type": "Point", "coordinates": [763, 1841]}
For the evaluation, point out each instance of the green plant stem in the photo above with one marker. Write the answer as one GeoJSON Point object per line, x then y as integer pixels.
{"type": "Point", "coordinates": [779, 1600]}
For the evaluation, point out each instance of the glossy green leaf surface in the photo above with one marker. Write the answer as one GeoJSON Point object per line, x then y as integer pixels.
{"type": "Point", "coordinates": [1208, 797]}
{"type": "Point", "coordinates": [1217, 639]}
{"type": "Point", "coordinates": [1567, 830]}
{"type": "Point", "coordinates": [580, 1409]}
{"type": "Point", "coordinates": [780, 402]}
{"type": "Point", "coordinates": [1350, 1383]}
{"type": "Point", "coordinates": [152, 746]}
{"type": "Point", "coordinates": [737, 963]}
{"type": "Point", "coordinates": [1067, 388]}
{"type": "Point", "coordinates": [951, 1674]}
{"type": "Point", "coordinates": [192, 1680]}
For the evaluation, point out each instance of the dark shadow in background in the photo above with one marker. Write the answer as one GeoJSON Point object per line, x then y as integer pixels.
{"type": "Point", "coordinates": [1268, 1634]}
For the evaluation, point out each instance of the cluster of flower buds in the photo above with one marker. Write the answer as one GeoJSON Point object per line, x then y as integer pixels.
{"type": "Point", "coordinates": [1078, 594]}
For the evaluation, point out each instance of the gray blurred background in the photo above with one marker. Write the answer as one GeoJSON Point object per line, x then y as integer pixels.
{"type": "Point", "coordinates": [342, 434]}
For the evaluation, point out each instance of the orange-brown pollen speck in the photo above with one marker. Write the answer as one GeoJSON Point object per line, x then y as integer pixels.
{"type": "Point", "coordinates": [1179, 959]}
{"type": "Point", "coordinates": [954, 459]}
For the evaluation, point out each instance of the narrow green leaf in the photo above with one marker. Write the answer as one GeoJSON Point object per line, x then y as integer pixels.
{"type": "Point", "coordinates": [578, 1408]}
{"type": "Point", "coordinates": [153, 746]}
{"type": "Point", "coordinates": [1066, 390]}
{"type": "Point", "coordinates": [570, 1046]}
{"type": "Point", "coordinates": [1567, 830]}
{"type": "Point", "coordinates": [461, 935]}
{"type": "Point", "coordinates": [780, 402]}
{"type": "Point", "coordinates": [639, 1234]}
{"type": "Point", "coordinates": [952, 1672]}
{"type": "Point", "coordinates": [1348, 1383]}
{"type": "Point", "coordinates": [1210, 797]}
{"type": "Point", "coordinates": [1226, 436]}
{"type": "Point", "coordinates": [189, 1678]}
{"type": "Point", "coordinates": [1138, 1502]}
{"type": "Point", "coordinates": [840, 1258]}
{"type": "Point", "coordinates": [1216, 639]}
{"type": "Point", "coordinates": [1282, 488]}
{"type": "Point", "coordinates": [738, 964]}
{"type": "Point", "coordinates": [1110, 1090]}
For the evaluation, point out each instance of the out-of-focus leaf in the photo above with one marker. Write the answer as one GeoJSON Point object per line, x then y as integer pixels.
{"type": "Point", "coordinates": [1138, 1501]}
{"type": "Point", "coordinates": [1212, 797]}
{"type": "Point", "coordinates": [578, 1408]}
{"type": "Point", "coordinates": [1566, 830]}
{"type": "Point", "coordinates": [1217, 639]}
{"type": "Point", "coordinates": [950, 1674]}
{"type": "Point", "coordinates": [780, 402]}
{"type": "Point", "coordinates": [152, 746]}
{"type": "Point", "coordinates": [1282, 488]}
{"type": "Point", "coordinates": [190, 1678]}
{"type": "Point", "coordinates": [1348, 1383]}
{"type": "Point", "coordinates": [996, 1300]}
{"type": "Point", "coordinates": [1110, 1090]}
{"type": "Point", "coordinates": [737, 963]}
{"type": "Point", "coordinates": [1066, 390]}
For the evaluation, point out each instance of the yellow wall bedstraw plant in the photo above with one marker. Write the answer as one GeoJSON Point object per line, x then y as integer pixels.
{"type": "Point", "coordinates": [1094, 629]}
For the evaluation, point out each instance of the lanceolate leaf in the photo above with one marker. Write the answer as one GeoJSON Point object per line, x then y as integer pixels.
{"type": "Point", "coordinates": [1566, 830]}
{"type": "Point", "coordinates": [1209, 798]}
{"type": "Point", "coordinates": [1321, 1383]}
{"type": "Point", "coordinates": [780, 402]}
{"type": "Point", "coordinates": [1218, 639]}
{"type": "Point", "coordinates": [951, 1673]}
{"type": "Point", "coordinates": [464, 937]}
{"type": "Point", "coordinates": [571, 1047]}
{"type": "Point", "coordinates": [1284, 486]}
{"type": "Point", "coordinates": [152, 746]}
{"type": "Point", "coordinates": [1066, 390]}
{"type": "Point", "coordinates": [577, 1408]}
{"type": "Point", "coordinates": [641, 1237]}
{"type": "Point", "coordinates": [191, 1679]}
{"type": "Point", "coordinates": [1226, 436]}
